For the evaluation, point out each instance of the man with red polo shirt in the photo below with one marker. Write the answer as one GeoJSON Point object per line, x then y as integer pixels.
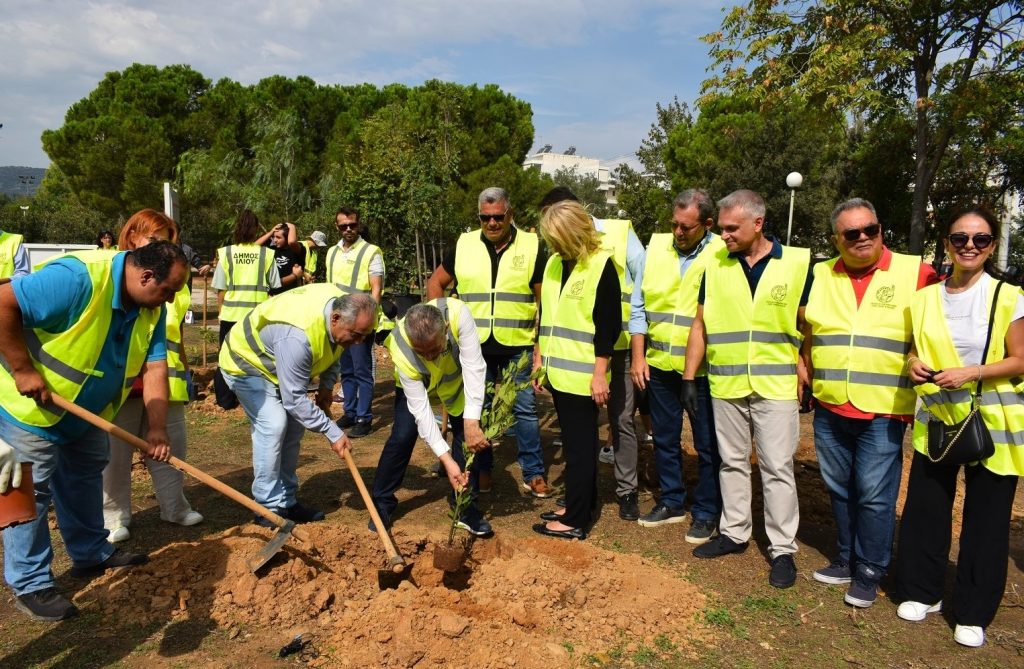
{"type": "Point", "coordinates": [858, 313]}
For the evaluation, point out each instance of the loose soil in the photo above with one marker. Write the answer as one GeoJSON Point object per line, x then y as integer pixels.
{"type": "Point", "coordinates": [627, 597]}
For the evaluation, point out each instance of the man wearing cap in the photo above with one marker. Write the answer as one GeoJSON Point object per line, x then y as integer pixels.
{"type": "Point", "coordinates": [314, 268]}
{"type": "Point", "coordinates": [356, 266]}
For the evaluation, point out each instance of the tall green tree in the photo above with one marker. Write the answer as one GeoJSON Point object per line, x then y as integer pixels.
{"type": "Point", "coordinates": [875, 57]}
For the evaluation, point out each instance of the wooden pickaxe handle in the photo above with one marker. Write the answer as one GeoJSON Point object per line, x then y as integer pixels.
{"type": "Point", "coordinates": [179, 464]}
{"type": "Point", "coordinates": [396, 561]}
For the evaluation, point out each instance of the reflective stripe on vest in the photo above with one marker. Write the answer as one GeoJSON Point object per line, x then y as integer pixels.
{"type": "Point", "coordinates": [615, 240]}
{"type": "Point", "coordinates": [753, 342]}
{"type": "Point", "coordinates": [1002, 400]}
{"type": "Point", "coordinates": [567, 349]}
{"type": "Point", "coordinates": [175, 365]}
{"type": "Point", "coordinates": [441, 378]}
{"type": "Point", "coordinates": [9, 243]}
{"type": "Point", "coordinates": [508, 307]}
{"type": "Point", "coordinates": [350, 274]}
{"type": "Point", "coordinates": [859, 352]}
{"type": "Point", "coordinates": [245, 269]}
{"type": "Point", "coordinates": [670, 300]}
{"type": "Point", "coordinates": [67, 359]}
{"type": "Point", "coordinates": [243, 352]}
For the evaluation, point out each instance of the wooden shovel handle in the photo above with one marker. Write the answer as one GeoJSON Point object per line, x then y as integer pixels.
{"type": "Point", "coordinates": [179, 464]}
{"type": "Point", "coordinates": [396, 561]}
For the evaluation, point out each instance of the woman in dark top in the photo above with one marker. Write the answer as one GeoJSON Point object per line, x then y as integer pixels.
{"type": "Point", "coordinates": [289, 255]}
{"type": "Point", "coordinates": [580, 321]}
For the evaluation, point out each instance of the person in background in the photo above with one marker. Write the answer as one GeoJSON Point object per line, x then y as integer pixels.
{"type": "Point", "coordinates": [314, 269]}
{"type": "Point", "coordinates": [13, 256]}
{"type": "Point", "coordinates": [580, 320]}
{"type": "Point", "coordinates": [105, 240]}
{"type": "Point", "coordinates": [950, 324]}
{"type": "Point", "coordinates": [289, 256]}
{"type": "Point", "coordinates": [143, 228]}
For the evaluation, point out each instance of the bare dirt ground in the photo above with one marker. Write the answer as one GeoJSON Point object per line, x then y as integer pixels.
{"type": "Point", "coordinates": [628, 597]}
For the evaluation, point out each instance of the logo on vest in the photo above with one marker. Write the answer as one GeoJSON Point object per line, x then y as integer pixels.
{"type": "Point", "coordinates": [884, 297]}
{"type": "Point", "coordinates": [245, 258]}
{"type": "Point", "coordinates": [576, 290]}
{"type": "Point", "coordinates": [777, 297]}
{"type": "Point", "coordinates": [519, 262]}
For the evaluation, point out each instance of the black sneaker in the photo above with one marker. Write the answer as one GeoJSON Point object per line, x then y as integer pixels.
{"type": "Point", "coordinates": [361, 428]}
{"type": "Point", "coordinates": [46, 604]}
{"type": "Point", "coordinates": [717, 547]}
{"type": "Point", "coordinates": [346, 421]}
{"type": "Point", "coordinates": [863, 588]}
{"type": "Point", "coordinates": [662, 515]}
{"type": "Point", "coordinates": [783, 573]}
{"type": "Point", "coordinates": [263, 522]}
{"type": "Point", "coordinates": [474, 522]}
{"type": "Point", "coordinates": [560, 502]}
{"type": "Point", "coordinates": [629, 509]}
{"type": "Point", "coordinates": [302, 514]}
{"type": "Point", "coordinates": [836, 573]}
{"type": "Point", "coordinates": [701, 531]}
{"type": "Point", "coordinates": [119, 559]}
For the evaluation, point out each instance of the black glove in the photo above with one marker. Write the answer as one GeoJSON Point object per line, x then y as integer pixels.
{"type": "Point", "coordinates": [688, 397]}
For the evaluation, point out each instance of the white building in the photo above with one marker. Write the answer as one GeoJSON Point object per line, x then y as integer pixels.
{"type": "Point", "coordinates": [549, 163]}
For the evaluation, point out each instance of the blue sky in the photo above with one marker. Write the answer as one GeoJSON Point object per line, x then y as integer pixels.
{"type": "Point", "coordinates": [592, 71]}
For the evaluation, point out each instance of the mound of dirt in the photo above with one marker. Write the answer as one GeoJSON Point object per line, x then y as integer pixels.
{"type": "Point", "coordinates": [525, 605]}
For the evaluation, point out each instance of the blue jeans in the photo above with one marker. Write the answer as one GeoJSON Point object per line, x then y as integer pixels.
{"type": "Point", "coordinates": [861, 461]}
{"type": "Point", "coordinates": [357, 380]}
{"type": "Point", "coordinates": [667, 424]}
{"type": "Point", "coordinates": [71, 474]}
{"type": "Point", "coordinates": [397, 451]}
{"type": "Point", "coordinates": [527, 428]}
{"type": "Point", "coordinates": [275, 441]}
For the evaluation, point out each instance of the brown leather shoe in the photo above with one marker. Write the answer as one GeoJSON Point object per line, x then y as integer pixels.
{"type": "Point", "coordinates": [538, 487]}
{"type": "Point", "coordinates": [484, 482]}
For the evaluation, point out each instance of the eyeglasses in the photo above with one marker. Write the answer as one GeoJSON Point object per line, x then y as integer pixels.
{"type": "Point", "coordinates": [497, 217]}
{"type": "Point", "coordinates": [982, 240]}
{"type": "Point", "coordinates": [347, 226]}
{"type": "Point", "coordinates": [870, 231]}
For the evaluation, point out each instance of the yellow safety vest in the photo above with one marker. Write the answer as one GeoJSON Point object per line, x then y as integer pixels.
{"type": "Point", "coordinates": [860, 352]}
{"type": "Point", "coordinates": [351, 271]}
{"type": "Point", "coordinates": [243, 352]}
{"type": "Point", "coordinates": [615, 240]}
{"type": "Point", "coordinates": [509, 307]}
{"type": "Point", "coordinates": [670, 300]}
{"type": "Point", "coordinates": [9, 243]}
{"type": "Point", "coordinates": [753, 343]}
{"type": "Point", "coordinates": [312, 255]}
{"type": "Point", "coordinates": [175, 363]}
{"type": "Point", "coordinates": [567, 323]}
{"type": "Point", "coordinates": [442, 378]}
{"type": "Point", "coordinates": [245, 266]}
{"type": "Point", "coordinates": [67, 359]}
{"type": "Point", "coordinates": [1002, 400]}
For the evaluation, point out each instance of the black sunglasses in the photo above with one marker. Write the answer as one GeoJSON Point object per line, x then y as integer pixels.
{"type": "Point", "coordinates": [486, 217]}
{"type": "Point", "coordinates": [982, 240]}
{"type": "Point", "coordinates": [347, 226]}
{"type": "Point", "coordinates": [870, 231]}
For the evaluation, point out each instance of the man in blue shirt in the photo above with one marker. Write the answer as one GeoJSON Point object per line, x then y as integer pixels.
{"type": "Point", "coordinates": [88, 324]}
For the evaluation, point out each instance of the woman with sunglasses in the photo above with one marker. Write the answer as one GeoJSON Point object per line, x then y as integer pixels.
{"type": "Point", "coordinates": [950, 326]}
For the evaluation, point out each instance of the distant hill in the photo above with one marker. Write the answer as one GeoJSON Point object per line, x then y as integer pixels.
{"type": "Point", "coordinates": [16, 181]}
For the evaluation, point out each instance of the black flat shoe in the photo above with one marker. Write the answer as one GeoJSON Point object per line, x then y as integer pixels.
{"type": "Point", "coordinates": [548, 516]}
{"type": "Point", "coordinates": [573, 533]}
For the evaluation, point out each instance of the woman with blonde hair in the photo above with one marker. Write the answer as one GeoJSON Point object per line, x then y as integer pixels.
{"type": "Point", "coordinates": [580, 321]}
{"type": "Point", "coordinates": [142, 228]}
{"type": "Point", "coordinates": [968, 352]}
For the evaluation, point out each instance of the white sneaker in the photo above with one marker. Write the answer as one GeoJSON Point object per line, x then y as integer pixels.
{"type": "Point", "coordinates": [189, 519]}
{"type": "Point", "coordinates": [606, 455]}
{"type": "Point", "coordinates": [969, 635]}
{"type": "Point", "coordinates": [916, 611]}
{"type": "Point", "coordinates": [119, 534]}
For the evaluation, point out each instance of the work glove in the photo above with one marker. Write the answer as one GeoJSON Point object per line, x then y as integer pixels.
{"type": "Point", "coordinates": [688, 397]}
{"type": "Point", "coordinates": [10, 470]}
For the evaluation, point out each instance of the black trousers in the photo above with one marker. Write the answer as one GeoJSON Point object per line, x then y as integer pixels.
{"type": "Point", "coordinates": [577, 415]}
{"type": "Point", "coordinates": [226, 398]}
{"type": "Point", "coordinates": [926, 533]}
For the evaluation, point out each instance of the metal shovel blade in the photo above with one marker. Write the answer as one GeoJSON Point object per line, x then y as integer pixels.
{"type": "Point", "coordinates": [272, 548]}
{"type": "Point", "coordinates": [398, 570]}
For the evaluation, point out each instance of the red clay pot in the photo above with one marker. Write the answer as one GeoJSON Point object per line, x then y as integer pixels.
{"type": "Point", "coordinates": [18, 505]}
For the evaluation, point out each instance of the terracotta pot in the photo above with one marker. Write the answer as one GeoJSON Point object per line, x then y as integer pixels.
{"type": "Point", "coordinates": [18, 505]}
{"type": "Point", "coordinates": [449, 558]}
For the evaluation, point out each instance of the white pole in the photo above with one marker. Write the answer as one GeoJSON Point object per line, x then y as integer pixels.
{"type": "Point", "coordinates": [789, 228]}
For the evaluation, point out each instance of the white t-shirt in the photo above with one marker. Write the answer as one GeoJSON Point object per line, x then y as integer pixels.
{"type": "Point", "coordinates": [967, 317]}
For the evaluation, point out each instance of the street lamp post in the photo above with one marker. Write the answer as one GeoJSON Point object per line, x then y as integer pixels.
{"type": "Point", "coordinates": [24, 211]}
{"type": "Point", "coordinates": [794, 180]}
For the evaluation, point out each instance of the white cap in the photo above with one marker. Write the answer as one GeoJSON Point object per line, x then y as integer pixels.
{"type": "Point", "coordinates": [319, 238]}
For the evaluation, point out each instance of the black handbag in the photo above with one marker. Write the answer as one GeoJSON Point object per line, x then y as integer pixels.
{"type": "Point", "coordinates": [969, 440]}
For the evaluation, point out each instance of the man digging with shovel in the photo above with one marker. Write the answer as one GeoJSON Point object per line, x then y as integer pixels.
{"type": "Point", "coordinates": [269, 359]}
